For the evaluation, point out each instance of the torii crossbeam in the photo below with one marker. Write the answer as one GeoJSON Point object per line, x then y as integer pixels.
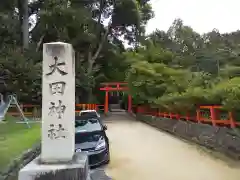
{"type": "Point", "coordinates": [115, 86]}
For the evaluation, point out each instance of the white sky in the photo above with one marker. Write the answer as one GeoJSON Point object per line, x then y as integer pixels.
{"type": "Point", "coordinates": [202, 15]}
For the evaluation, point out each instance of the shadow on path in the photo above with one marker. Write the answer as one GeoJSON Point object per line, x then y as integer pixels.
{"type": "Point", "coordinates": [99, 174]}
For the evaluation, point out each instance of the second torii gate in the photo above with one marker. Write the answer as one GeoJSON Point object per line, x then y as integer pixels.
{"type": "Point", "coordinates": [115, 86]}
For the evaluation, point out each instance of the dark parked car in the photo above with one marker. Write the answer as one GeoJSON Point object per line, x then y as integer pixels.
{"type": "Point", "coordinates": [90, 137]}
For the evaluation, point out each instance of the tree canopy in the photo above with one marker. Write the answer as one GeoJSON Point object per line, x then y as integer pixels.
{"type": "Point", "coordinates": [180, 69]}
{"type": "Point", "coordinates": [174, 70]}
{"type": "Point", "coordinates": [97, 29]}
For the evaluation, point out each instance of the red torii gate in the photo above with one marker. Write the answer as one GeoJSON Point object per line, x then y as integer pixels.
{"type": "Point", "coordinates": [115, 86]}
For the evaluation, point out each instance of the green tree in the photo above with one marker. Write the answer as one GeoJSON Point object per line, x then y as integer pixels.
{"type": "Point", "coordinates": [96, 28]}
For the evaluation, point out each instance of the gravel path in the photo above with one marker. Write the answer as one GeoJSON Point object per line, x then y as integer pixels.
{"type": "Point", "coordinates": [141, 152]}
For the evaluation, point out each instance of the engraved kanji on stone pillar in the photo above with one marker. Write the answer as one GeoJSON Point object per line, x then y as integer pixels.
{"type": "Point", "coordinates": [58, 102]}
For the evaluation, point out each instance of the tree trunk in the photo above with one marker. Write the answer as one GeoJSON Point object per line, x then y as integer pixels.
{"type": "Point", "coordinates": [89, 73]}
{"type": "Point", "coordinates": [20, 17]}
{"type": "Point", "coordinates": [25, 25]}
{"type": "Point", "coordinates": [98, 46]}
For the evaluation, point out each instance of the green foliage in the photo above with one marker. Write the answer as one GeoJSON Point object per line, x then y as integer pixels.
{"type": "Point", "coordinates": [228, 92]}
{"type": "Point", "coordinates": [97, 44]}
{"type": "Point", "coordinates": [174, 70]}
{"type": "Point", "coordinates": [179, 69]}
{"type": "Point", "coordinates": [22, 75]}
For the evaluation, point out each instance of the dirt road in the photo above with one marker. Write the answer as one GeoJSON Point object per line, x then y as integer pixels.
{"type": "Point", "coordinates": [141, 152]}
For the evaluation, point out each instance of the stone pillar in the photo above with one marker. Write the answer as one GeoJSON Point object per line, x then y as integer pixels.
{"type": "Point", "coordinates": [58, 102]}
{"type": "Point", "coordinates": [58, 159]}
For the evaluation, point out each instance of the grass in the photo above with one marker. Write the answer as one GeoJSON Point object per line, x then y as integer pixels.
{"type": "Point", "coordinates": [15, 139]}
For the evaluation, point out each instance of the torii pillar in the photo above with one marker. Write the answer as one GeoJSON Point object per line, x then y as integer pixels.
{"type": "Point", "coordinates": [129, 104]}
{"type": "Point", "coordinates": [106, 103]}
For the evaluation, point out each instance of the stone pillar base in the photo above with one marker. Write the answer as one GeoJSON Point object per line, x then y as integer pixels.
{"type": "Point", "coordinates": [77, 169]}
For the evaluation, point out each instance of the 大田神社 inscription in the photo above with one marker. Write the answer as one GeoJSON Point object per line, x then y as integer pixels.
{"type": "Point", "coordinates": [56, 66]}
{"type": "Point", "coordinates": [58, 128]}
{"type": "Point", "coordinates": [56, 133]}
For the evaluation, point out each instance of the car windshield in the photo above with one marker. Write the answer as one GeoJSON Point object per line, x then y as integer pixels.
{"type": "Point", "coordinates": [87, 125]}
{"type": "Point", "coordinates": [93, 114]}
{"type": "Point", "coordinates": [86, 137]}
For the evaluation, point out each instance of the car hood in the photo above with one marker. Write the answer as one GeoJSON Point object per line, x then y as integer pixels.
{"type": "Point", "coordinates": [86, 146]}
{"type": "Point", "coordinates": [87, 141]}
